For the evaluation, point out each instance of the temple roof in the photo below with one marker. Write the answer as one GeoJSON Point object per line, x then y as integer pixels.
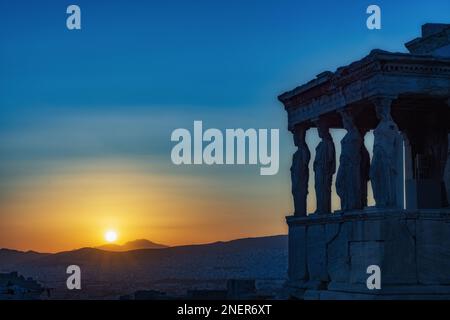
{"type": "Point", "coordinates": [376, 61]}
{"type": "Point", "coordinates": [435, 40]}
{"type": "Point", "coordinates": [410, 78]}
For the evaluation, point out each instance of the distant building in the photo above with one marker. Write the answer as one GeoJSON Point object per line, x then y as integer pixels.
{"type": "Point", "coordinates": [206, 294]}
{"type": "Point", "coordinates": [241, 289]}
{"type": "Point", "coordinates": [146, 295]}
{"type": "Point", "coordinates": [15, 287]}
{"type": "Point", "coordinates": [236, 289]}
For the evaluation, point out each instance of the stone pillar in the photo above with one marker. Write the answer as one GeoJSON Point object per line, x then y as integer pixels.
{"type": "Point", "coordinates": [300, 171]}
{"type": "Point", "coordinates": [411, 200]}
{"type": "Point", "coordinates": [324, 167]}
{"type": "Point", "coordinates": [386, 170]}
{"type": "Point", "coordinates": [349, 179]}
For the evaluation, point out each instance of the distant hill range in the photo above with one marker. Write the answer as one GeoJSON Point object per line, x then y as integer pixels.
{"type": "Point", "coordinates": [9, 257]}
{"type": "Point", "coordinates": [108, 272]}
{"type": "Point", "coordinates": [132, 245]}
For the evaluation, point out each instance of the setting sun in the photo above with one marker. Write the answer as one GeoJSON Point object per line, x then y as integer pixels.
{"type": "Point", "coordinates": [111, 236]}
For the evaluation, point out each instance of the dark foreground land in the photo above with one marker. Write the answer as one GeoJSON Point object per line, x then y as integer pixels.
{"type": "Point", "coordinates": [174, 270]}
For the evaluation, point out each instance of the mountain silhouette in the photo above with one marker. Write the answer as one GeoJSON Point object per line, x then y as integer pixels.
{"type": "Point", "coordinates": [132, 245]}
{"type": "Point", "coordinates": [109, 274]}
{"type": "Point", "coordinates": [9, 257]}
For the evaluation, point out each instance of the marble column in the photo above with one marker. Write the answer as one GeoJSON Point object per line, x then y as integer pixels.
{"type": "Point", "coordinates": [349, 176]}
{"type": "Point", "coordinates": [300, 171]}
{"type": "Point", "coordinates": [386, 170]}
{"type": "Point", "coordinates": [324, 167]}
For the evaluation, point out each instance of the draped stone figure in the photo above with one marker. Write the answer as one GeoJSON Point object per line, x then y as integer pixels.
{"type": "Point", "coordinates": [348, 179]}
{"type": "Point", "coordinates": [384, 170]}
{"type": "Point", "coordinates": [365, 170]}
{"type": "Point", "coordinates": [324, 168]}
{"type": "Point", "coordinates": [300, 171]}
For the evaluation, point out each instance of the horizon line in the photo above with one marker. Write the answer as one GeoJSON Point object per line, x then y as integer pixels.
{"type": "Point", "coordinates": [157, 243]}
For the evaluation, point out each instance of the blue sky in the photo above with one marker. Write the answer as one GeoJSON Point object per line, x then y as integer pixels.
{"type": "Point", "coordinates": [115, 90]}
{"type": "Point", "coordinates": [195, 53]}
{"type": "Point", "coordinates": [207, 59]}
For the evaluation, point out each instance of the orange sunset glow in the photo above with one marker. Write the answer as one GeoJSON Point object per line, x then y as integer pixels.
{"type": "Point", "coordinates": [71, 204]}
{"type": "Point", "coordinates": [65, 208]}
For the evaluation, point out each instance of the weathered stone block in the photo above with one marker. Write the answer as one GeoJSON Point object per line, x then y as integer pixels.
{"type": "Point", "coordinates": [338, 254]}
{"type": "Point", "coordinates": [399, 261]}
{"type": "Point", "coordinates": [433, 251]}
{"type": "Point", "coordinates": [362, 255]}
{"type": "Point", "coordinates": [317, 253]}
{"type": "Point", "coordinates": [297, 253]}
{"type": "Point", "coordinates": [368, 229]}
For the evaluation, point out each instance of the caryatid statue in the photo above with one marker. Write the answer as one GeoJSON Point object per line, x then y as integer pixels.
{"type": "Point", "coordinates": [365, 170]}
{"type": "Point", "coordinates": [384, 170]}
{"type": "Point", "coordinates": [300, 171]}
{"type": "Point", "coordinates": [349, 179]}
{"type": "Point", "coordinates": [324, 168]}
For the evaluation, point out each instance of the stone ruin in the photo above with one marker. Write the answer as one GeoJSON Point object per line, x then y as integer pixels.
{"type": "Point", "coordinates": [405, 99]}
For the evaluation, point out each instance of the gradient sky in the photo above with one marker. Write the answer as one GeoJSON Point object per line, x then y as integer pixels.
{"type": "Point", "coordinates": [86, 116]}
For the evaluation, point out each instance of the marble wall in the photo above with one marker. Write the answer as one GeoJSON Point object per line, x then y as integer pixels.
{"type": "Point", "coordinates": [329, 256]}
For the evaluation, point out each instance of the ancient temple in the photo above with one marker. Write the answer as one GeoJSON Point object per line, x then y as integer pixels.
{"type": "Point", "coordinates": [405, 99]}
